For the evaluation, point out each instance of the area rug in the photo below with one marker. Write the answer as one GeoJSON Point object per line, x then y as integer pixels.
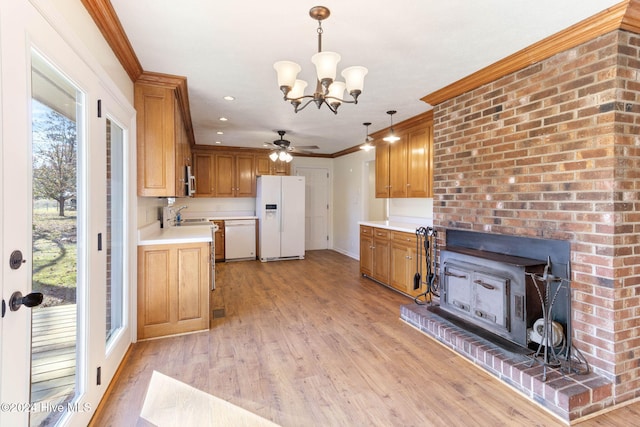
{"type": "Point", "coordinates": [170, 402]}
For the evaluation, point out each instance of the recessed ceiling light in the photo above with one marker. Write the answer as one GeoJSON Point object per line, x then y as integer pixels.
{"type": "Point", "coordinates": [220, 132]}
{"type": "Point", "coordinates": [223, 119]}
{"type": "Point", "coordinates": [218, 142]}
{"type": "Point", "coordinates": [228, 98]}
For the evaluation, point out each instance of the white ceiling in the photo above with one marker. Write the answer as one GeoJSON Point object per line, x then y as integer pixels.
{"type": "Point", "coordinates": [411, 48]}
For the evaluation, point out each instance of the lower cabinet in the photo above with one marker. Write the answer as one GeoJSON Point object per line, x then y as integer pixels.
{"type": "Point", "coordinates": [404, 257]}
{"type": "Point", "coordinates": [390, 257]}
{"type": "Point", "coordinates": [219, 243]}
{"type": "Point", "coordinates": [173, 289]}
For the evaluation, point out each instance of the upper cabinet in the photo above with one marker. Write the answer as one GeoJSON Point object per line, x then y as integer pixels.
{"type": "Point", "coordinates": [232, 173]}
{"type": "Point", "coordinates": [266, 166]}
{"type": "Point", "coordinates": [405, 168]}
{"type": "Point", "coordinates": [164, 135]}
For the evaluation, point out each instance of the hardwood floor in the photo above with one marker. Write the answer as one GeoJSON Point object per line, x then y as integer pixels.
{"type": "Point", "coordinates": [310, 342]}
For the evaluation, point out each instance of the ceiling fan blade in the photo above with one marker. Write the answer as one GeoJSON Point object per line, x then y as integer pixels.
{"type": "Point", "coordinates": [307, 147]}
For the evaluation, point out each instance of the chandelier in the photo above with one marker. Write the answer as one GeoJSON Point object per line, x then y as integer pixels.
{"type": "Point", "coordinates": [328, 91]}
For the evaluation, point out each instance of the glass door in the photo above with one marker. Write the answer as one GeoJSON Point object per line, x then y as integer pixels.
{"type": "Point", "coordinates": [66, 191]}
{"type": "Point", "coordinates": [57, 124]}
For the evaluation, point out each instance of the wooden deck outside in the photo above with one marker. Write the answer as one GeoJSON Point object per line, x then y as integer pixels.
{"type": "Point", "coordinates": [53, 363]}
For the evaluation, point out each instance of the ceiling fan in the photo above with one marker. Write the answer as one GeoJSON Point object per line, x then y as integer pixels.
{"type": "Point", "coordinates": [283, 144]}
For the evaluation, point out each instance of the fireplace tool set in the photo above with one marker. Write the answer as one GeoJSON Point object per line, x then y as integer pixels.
{"type": "Point", "coordinates": [427, 239]}
{"type": "Point", "coordinates": [554, 350]}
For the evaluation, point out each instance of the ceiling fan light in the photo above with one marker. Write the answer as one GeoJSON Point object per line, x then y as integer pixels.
{"type": "Point", "coordinates": [283, 155]}
{"type": "Point", "coordinates": [287, 72]}
{"type": "Point", "coordinates": [273, 156]}
{"type": "Point", "coordinates": [289, 158]}
{"type": "Point", "coordinates": [354, 78]}
{"type": "Point", "coordinates": [298, 89]}
{"type": "Point", "coordinates": [326, 65]}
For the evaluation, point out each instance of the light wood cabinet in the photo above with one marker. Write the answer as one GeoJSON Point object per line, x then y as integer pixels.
{"type": "Point", "coordinates": [225, 174]}
{"type": "Point", "coordinates": [235, 175]}
{"type": "Point", "coordinates": [219, 241]}
{"type": "Point", "coordinates": [398, 168]}
{"type": "Point", "coordinates": [173, 289]}
{"type": "Point", "coordinates": [405, 168]}
{"type": "Point", "coordinates": [381, 253]}
{"type": "Point", "coordinates": [266, 166]}
{"type": "Point", "coordinates": [390, 257]}
{"type": "Point", "coordinates": [204, 168]}
{"type": "Point", "coordinates": [366, 250]}
{"type": "Point", "coordinates": [404, 257]}
{"type": "Point", "coordinates": [163, 143]}
{"type": "Point", "coordinates": [382, 170]}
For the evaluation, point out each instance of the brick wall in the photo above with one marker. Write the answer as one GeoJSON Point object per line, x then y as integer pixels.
{"type": "Point", "coordinates": [552, 151]}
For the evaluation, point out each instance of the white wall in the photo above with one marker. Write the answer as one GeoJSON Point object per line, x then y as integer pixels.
{"type": "Point", "coordinates": [350, 200]}
{"type": "Point", "coordinates": [78, 19]}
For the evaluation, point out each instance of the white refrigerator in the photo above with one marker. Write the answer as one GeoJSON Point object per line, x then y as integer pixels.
{"type": "Point", "coordinates": [280, 209]}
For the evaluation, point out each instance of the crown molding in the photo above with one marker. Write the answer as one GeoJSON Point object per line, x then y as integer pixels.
{"type": "Point", "coordinates": [109, 25]}
{"type": "Point", "coordinates": [624, 15]}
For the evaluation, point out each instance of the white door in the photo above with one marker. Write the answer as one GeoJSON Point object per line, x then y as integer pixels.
{"type": "Point", "coordinates": [316, 207]}
{"type": "Point", "coordinates": [41, 75]}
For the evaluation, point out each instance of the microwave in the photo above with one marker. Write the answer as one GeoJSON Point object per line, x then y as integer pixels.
{"type": "Point", "coordinates": [190, 182]}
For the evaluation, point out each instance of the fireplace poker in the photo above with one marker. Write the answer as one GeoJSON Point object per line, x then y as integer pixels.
{"type": "Point", "coordinates": [428, 237]}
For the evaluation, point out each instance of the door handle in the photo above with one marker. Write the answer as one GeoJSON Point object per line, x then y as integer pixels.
{"type": "Point", "coordinates": [31, 300]}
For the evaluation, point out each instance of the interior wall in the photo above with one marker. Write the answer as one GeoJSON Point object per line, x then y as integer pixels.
{"type": "Point", "coordinates": [78, 19]}
{"type": "Point", "coordinates": [349, 201]}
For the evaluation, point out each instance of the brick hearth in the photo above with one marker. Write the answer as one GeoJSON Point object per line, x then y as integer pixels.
{"type": "Point", "coordinates": [569, 396]}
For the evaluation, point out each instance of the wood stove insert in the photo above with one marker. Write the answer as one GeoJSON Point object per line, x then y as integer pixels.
{"type": "Point", "coordinates": [485, 280]}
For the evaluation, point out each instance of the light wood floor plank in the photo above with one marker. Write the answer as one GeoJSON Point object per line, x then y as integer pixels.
{"type": "Point", "coordinates": [311, 343]}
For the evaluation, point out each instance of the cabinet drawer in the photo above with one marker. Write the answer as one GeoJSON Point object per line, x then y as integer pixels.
{"type": "Point", "coordinates": [399, 236]}
{"type": "Point", "coordinates": [366, 230]}
{"type": "Point", "coordinates": [381, 233]}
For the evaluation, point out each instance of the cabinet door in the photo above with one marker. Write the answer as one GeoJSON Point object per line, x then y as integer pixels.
{"type": "Point", "coordinates": [382, 170]}
{"type": "Point", "coordinates": [366, 254]}
{"type": "Point", "coordinates": [398, 168]}
{"type": "Point", "coordinates": [204, 171]}
{"type": "Point", "coordinates": [155, 141]}
{"type": "Point", "coordinates": [417, 163]}
{"type": "Point", "coordinates": [400, 266]}
{"type": "Point", "coordinates": [245, 175]}
{"type": "Point", "coordinates": [173, 283]}
{"type": "Point", "coordinates": [263, 165]}
{"type": "Point", "coordinates": [281, 168]}
{"type": "Point", "coordinates": [191, 298]}
{"type": "Point", "coordinates": [155, 285]}
{"type": "Point", "coordinates": [224, 168]}
{"type": "Point", "coordinates": [219, 243]}
{"type": "Point", "coordinates": [381, 255]}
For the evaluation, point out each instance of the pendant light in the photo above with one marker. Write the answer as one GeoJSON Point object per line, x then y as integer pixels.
{"type": "Point", "coordinates": [367, 145]}
{"type": "Point", "coordinates": [391, 138]}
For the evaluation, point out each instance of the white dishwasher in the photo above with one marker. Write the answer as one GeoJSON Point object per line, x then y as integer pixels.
{"type": "Point", "coordinates": [239, 239]}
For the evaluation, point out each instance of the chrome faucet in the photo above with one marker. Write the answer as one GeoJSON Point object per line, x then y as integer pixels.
{"type": "Point", "coordinates": [178, 217]}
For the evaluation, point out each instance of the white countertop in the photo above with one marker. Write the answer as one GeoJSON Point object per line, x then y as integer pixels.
{"type": "Point", "coordinates": [152, 234]}
{"type": "Point", "coordinates": [406, 227]}
{"type": "Point", "coordinates": [224, 218]}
